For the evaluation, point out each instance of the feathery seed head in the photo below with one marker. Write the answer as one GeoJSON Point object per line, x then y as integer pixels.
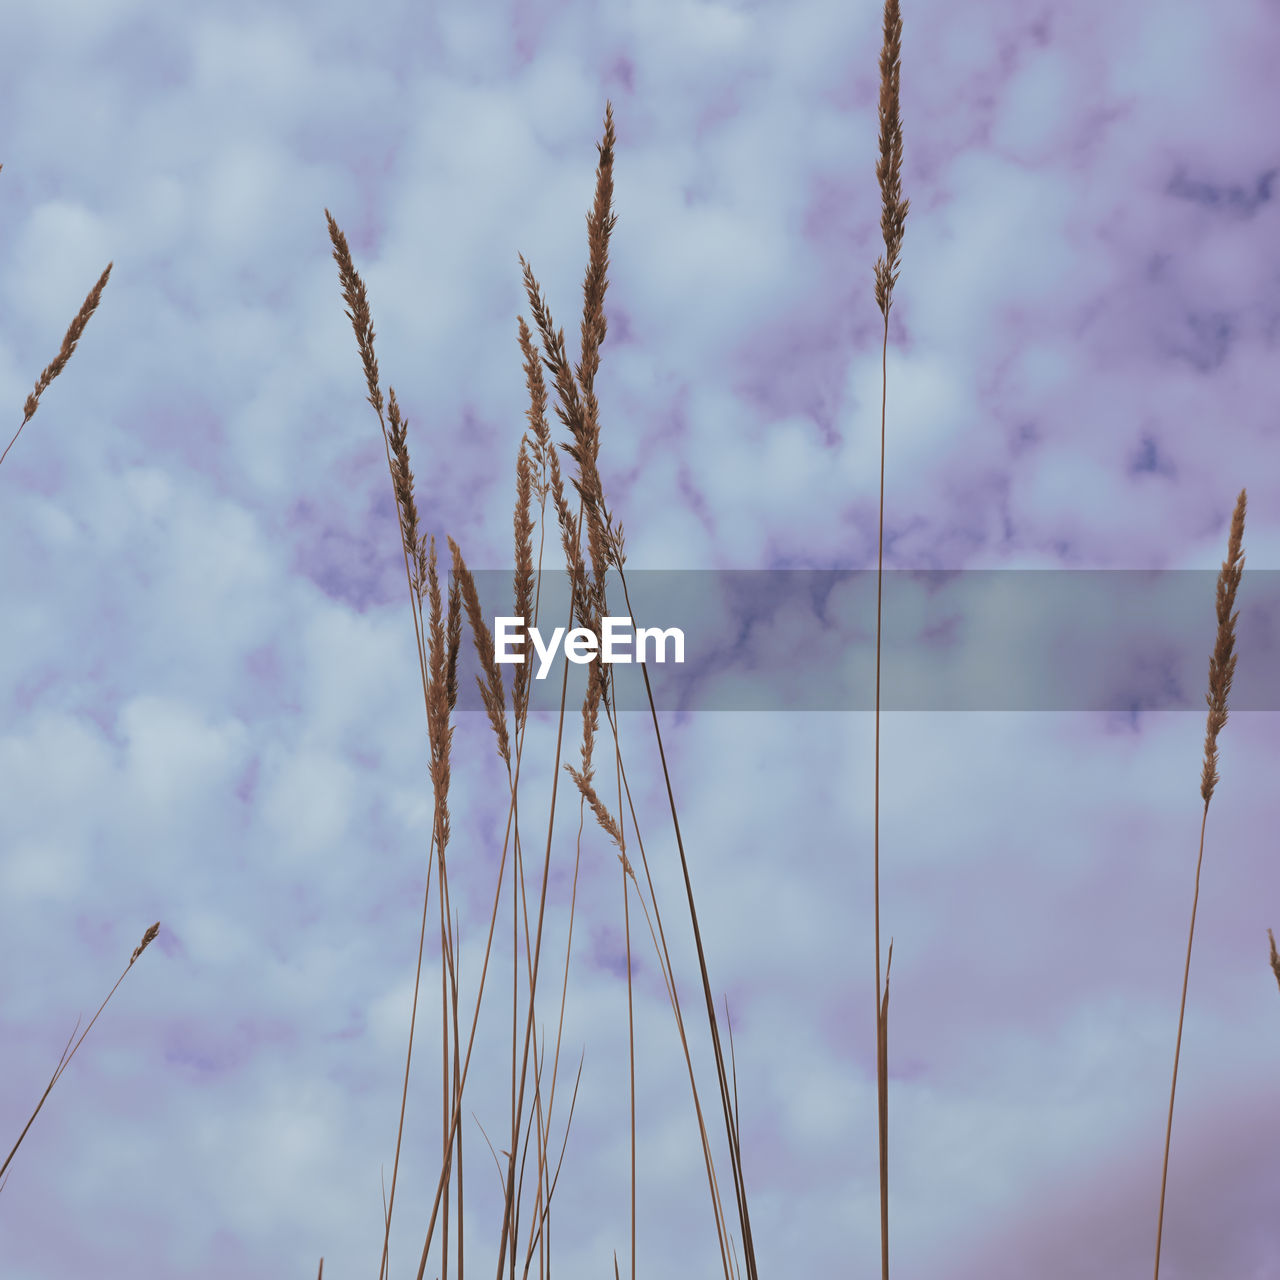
{"type": "Point", "coordinates": [893, 214]}
{"type": "Point", "coordinates": [73, 335]}
{"type": "Point", "coordinates": [1222, 663]}
{"type": "Point", "coordinates": [524, 563]}
{"type": "Point", "coordinates": [357, 300]}
{"type": "Point", "coordinates": [147, 939]}
{"type": "Point", "coordinates": [492, 692]}
{"type": "Point", "coordinates": [454, 633]}
{"type": "Point", "coordinates": [402, 482]}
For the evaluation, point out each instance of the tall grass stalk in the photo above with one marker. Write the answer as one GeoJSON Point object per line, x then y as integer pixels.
{"type": "Point", "coordinates": [1222, 665]}
{"type": "Point", "coordinates": [65, 1060]}
{"type": "Point", "coordinates": [893, 217]}
{"type": "Point", "coordinates": [593, 545]}
{"type": "Point", "coordinates": [538, 471]}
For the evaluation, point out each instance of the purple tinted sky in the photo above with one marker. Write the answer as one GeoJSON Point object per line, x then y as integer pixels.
{"type": "Point", "coordinates": [211, 711]}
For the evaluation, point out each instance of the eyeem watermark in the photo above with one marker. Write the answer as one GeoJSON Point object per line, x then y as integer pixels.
{"type": "Point", "coordinates": [581, 644]}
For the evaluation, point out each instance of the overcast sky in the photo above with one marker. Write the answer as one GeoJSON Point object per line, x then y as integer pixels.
{"type": "Point", "coordinates": [210, 707]}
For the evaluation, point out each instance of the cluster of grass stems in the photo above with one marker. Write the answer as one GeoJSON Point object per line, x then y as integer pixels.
{"type": "Point", "coordinates": [593, 546]}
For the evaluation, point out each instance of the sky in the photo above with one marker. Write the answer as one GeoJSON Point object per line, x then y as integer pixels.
{"type": "Point", "coordinates": [210, 705]}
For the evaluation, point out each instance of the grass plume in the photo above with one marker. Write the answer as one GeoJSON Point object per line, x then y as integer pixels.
{"type": "Point", "coordinates": [593, 544]}
{"type": "Point", "coordinates": [65, 1060]}
{"type": "Point", "coordinates": [537, 474]}
{"type": "Point", "coordinates": [75, 331]}
{"type": "Point", "coordinates": [72, 336]}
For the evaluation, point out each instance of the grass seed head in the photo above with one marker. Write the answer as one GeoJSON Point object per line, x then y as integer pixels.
{"type": "Point", "coordinates": [1222, 663]}
{"type": "Point", "coordinates": [893, 208]}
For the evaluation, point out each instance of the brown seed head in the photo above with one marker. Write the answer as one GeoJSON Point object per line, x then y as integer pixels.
{"type": "Point", "coordinates": [893, 208]}
{"type": "Point", "coordinates": [357, 300]}
{"type": "Point", "coordinates": [74, 332]}
{"type": "Point", "coordinates": [524, 565]}
{"type": "Point", "coordinates": [492, 692]}
{"type": "Point", "coordinates": [402, 482]}
{"type": "Point", "coordinates": [439, 731]}
{"type": "Point", "coordinates": [147, 939]}
{"type": "Point", "coordinates": [600, 224]}
{"type": "Point", "coordinates": [580, 413]}
{"type": "Point", "coordinates": [540, 442]}
{"type": "Point", "coordinates": [606, 820]}
{"type": "Point", "coordinates": [454, 633]}
{"type": "Point", "coordinates": [1222, 663]}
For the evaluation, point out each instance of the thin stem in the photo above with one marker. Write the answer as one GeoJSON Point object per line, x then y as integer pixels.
{"type": "Point", "coordinates": [882, 1048]}
{"type": "Point", "coordinates": [1177, 1050]}
{"type": "Point", "coordinates": [65, 1060]}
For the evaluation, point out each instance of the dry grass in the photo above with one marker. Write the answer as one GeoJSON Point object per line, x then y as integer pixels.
{"type": "Point", "coordinates": [537, 474]}
{"type": "Point", "coordinates": [1222, 665]}
{"type": "Point", "coordinates": [594, 547]}
{"type": "Point", "coordinates": [73, 335]}
{"type": "Point", "coordinates": [893, 219]}
{"type": "Point", "coordinates": [65, 1060]}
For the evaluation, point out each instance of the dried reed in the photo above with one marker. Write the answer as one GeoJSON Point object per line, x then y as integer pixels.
{"type": "Point", "coordinates": [605, 543]}
{"type": "Point", "coordinates": [439, 640]}
{"type": "Point", "coordinates": [438, 645]}
{"type": "Point", "coordinates": [1222, 665]}
{"type": "Point", "coordinates": [74, 332]}
{"type": "Point", "coordinates": [538, 475]}
{"type": "Point", "coordinates": [537, 472]}
{"type": "Point", "coordinates": [65, 1060]}
{"type": "Point", "coordinates": [893, 217]}
{"type": "Point", "coordinates": [439, 673]}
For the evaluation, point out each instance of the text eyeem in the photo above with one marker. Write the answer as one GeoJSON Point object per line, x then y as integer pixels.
{"type": "Point", "coordinates": [582, 645]}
